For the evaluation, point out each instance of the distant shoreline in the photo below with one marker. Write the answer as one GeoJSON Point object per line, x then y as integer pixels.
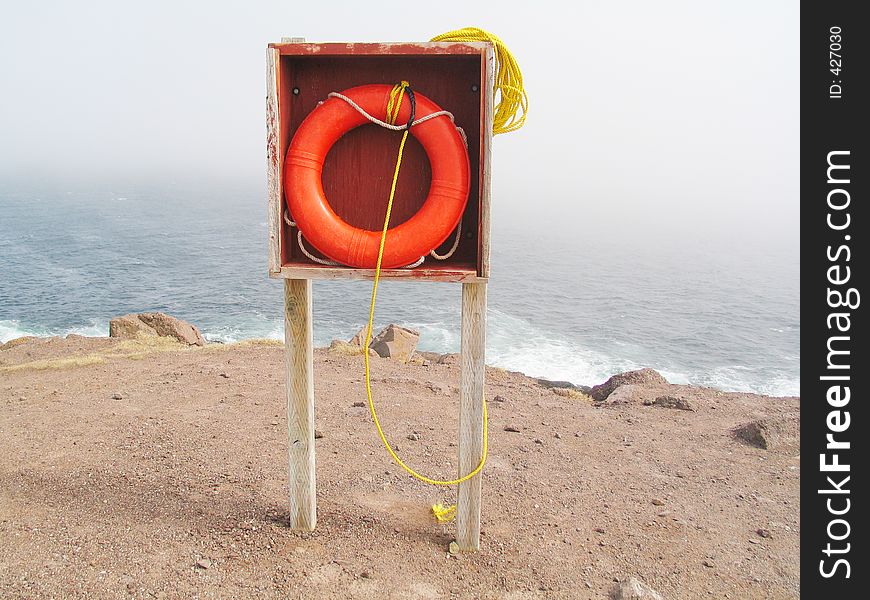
{"type": "Point", "coordinates": [419, 357]}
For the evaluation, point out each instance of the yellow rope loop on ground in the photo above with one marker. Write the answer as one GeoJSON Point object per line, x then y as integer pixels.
{"type": "Point", "coordinates": [441, 512]}
{"type": "Point", "coordinates": [513, 104]}
{"type": "Point", "coordinates": [444, 514]}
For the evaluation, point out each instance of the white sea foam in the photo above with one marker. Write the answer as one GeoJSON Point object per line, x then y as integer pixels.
{"type": "Point", "coordinates": [736, 378]}
{"type": "Point", "coordinates": [11, 329]}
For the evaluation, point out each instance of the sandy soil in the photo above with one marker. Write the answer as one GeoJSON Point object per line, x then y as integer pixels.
{"type": "Point", "coordinates": [126, 473]}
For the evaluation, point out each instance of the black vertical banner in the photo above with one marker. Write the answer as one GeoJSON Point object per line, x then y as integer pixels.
{"type": "Point", "coordinates": [835, 371]}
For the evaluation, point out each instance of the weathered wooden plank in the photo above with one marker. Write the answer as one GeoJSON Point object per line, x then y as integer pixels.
{"type": "Point", "coordinates": [356, 48]}
{"type": "Point", "coordinates": [308, 72]}
{"type": "Point", "coordinates": [444, 273]}
{"type": "Point", "coordinates": [273, 161]}
{"type": "Point", "coordinates": [487, 108]}
{"type": "Point", "coordinates": [471, 412]}
{"type": "Point", "coordinates": [299, 358]}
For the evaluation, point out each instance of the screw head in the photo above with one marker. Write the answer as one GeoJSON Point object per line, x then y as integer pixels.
{"type": "Point", "coordinates": [296, 91]}
{"type": "Point", "coordinates": [475, 88]}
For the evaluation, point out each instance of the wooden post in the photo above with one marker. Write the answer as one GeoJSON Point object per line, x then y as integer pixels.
{"type": "Point", "coordinates": [471, 412]}
{"type": "Point", "coordinates": [299, 359]}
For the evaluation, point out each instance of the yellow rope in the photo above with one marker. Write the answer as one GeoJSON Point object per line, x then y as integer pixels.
{"type": "Point", "coordinates": [508, 79]}
{"type": "Point", "coordinates": [509, 115]}
{"type": "Point", "coordinates": [441, 512]}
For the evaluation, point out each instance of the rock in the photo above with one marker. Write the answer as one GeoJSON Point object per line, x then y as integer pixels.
{"type": "Point", "coordinates": [539, 441]}
{"type": "Point", "coordinates": [709, 564]}
{"type": "Point", "coordinates": [167, 326]}
{"type": "Point", "coordinates": [658, 502]}
{"type": "Point", "coordinates": [360, 337]}
{"type": "Point", "coordinates": [778, 433]}
{"type": "Point", "coordinates": [396, 342]}
{"type": "Point", "coordinates": [512, 428]}
{"type": "Point", "coordinates": [754, 434]}
{"type": "Point", "coordinates": [634, 589]}
{"type": "Point", "coordinates": [499, 399]}
{"type": "Point", "coordinates": [414, 437]}
{"type": "Point", "coordinates": [600, 392]}
{"type": "Point", "coordinates": [557, 435]}
{"type": "Point", "coordinates": [438, 388]}
{"type": "Point", "coordinates": [427, 358]}
{"type": "Point", "coordinates": [359, 404]}
{"type": "Point", "coordinates": [225, 375]}
{"type": "Point", "coordinates": [117, 396]}
{"type": "Point", "coordinates": [449, 359]}
{"type": "Point", "coordinates": [453, 548]}
{"type": "Point", "coordinates": [129, 327]}
{"type": "Point", "coordinates": [155, 324]}
{"type": "Point", "coordinates": [318, 434]}
{"type": "Point", "coordinates": [17, 342]}
{"type": "Point", "coordinates": [549, 383]}
{"type": "Point", "coordinates": [765, 533]}
{"type": "Point", "coordinates": [670, 402]}
{"type": "Point", "coordinates": [203, 563]}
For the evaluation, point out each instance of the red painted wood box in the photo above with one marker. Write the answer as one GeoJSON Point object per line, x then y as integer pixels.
{"type": "Point", "coordinates": [359, 168]}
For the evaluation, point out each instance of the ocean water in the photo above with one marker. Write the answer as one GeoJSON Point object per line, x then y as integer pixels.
{"type": "Point", "coordinates": [570, 305]}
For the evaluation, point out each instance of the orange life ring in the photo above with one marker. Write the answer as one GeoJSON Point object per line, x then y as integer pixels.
{"type": "Point", "coordinates": [405, 243]}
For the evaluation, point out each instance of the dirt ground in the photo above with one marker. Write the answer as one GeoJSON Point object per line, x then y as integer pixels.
{"type": "Point", "coordinates": [161, 473]}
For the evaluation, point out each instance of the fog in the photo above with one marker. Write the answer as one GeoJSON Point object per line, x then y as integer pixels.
{"type": "Point", "coordinates": [647, 118]}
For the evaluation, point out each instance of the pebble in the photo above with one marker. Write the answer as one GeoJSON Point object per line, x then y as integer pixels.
{"type": "Point", "coordinates": [365, 575]}
{"type": "Point", "coordinates": [115, 396]}
{"type": "Point", "coordinates": [499, 399]}
{"type": "Point", "coordinates": [512, 428]}
{"type": "Point", "coordinates": [203, 563]}
{"type": "Point", "coordinates": [274, 422]}
{"type": "Point", "coordinates": [709, 564]}
{"type": "Point", "coordinates": [634, 589]}
{"type": "Point", "coordinates": [539, 441]}
{"type": "Point", "coordinates": [765, 533]}
{"type": "Point", "coordinates": [225, 375]}
{"type": "Point", "coordinates": [453, 548]}
{"type": "Point", "coordinates": [658, 501]}
{"type": "Point", "coordinates": [318, 434]}
{"type": "Point", "coordinates": [598, 530]}
{"type": "Point", "coordinates": [557, 436]}
{"type": "Point", "coordinates": [359, 404]}
{"type": "Point", "coordinates": [414, 437]}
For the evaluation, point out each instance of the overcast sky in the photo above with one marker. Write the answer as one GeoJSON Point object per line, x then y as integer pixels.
{"type": "Point", "coordinates": [682, 116]}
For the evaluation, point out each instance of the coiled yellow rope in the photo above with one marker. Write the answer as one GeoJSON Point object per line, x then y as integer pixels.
{"type": "Point", "coordinates": [513, 104]}
{"type": "Point", "coordinates": [441, 513]}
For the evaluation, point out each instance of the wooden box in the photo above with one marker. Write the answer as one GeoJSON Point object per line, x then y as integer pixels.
{"type": "Point", "coordinates": [359, 168]}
